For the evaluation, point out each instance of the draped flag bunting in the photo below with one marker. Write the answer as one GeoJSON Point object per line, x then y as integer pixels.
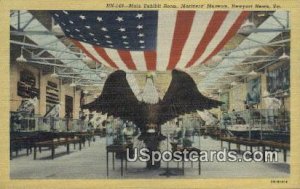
{"type": "Point", "coordinates": [150, 40]}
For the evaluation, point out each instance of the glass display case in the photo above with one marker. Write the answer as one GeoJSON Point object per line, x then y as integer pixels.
{"type": "Point", "coordinates": [20, 122]}
{"type": "Point", "coordinates": [273, 124]}
{"type": "Point", "coordinates": [119, 132]}
{"type": "Point", "coordinates": [187, 127]}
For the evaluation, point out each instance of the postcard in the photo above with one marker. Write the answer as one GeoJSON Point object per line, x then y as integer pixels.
{"type": "Point", "coordinates": [149, 94]}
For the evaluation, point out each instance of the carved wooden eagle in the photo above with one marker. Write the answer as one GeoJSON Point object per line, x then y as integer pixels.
{"type": "Point", "coordinates": [117, 99]}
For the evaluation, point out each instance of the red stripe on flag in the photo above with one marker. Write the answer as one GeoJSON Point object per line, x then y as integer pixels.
{"type": "Point", "coordinates": [150, 57]}
{"type": "Point", "coordinates": [183, 26]}
{"type": "Point", "coordinates": [78, 44]}
{"type": "Point", "coordinates": [127, 59]}
{"type": "Point", "coordinates": [212, 28]}
{"type": "Point", "coordinates": [231, 32]}
{"type": "Point", "coordinates": [104, 55]}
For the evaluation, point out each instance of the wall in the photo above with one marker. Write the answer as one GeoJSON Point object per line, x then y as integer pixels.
{"type": "Point", "coordinates": [41, 83]}
{"type": "Point", "coordinates": [237, 94]}
{"type": "Point", "coordinates": [70, 91]}
{"type": "Point", "coordinates": [15, 70]}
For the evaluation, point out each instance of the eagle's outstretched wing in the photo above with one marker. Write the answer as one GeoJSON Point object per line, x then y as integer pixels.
{"type": "Point", "coordinates": [117, 99]}
{"type": "Point", "coordinates": [183, 97]}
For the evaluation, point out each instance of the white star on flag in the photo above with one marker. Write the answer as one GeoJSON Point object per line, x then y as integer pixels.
{"type": "Point", "coordinates": [99, 19]}
{"type": "Point", "coordinates": [82, 17]}
{"type": "Point", "coordinates": [119, 19]}
{"type": "Point", "coordinates": [122, 29]}
{"type": "Point", "coordinates": [139, 15]}
{"type": "Point", "coordinates": [104, 29]}
{"type": "Point", "coordinates": [139, 27]}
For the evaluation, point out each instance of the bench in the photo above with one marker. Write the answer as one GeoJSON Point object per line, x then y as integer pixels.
{"type": "Point", "coordinates": [52, 144]}
{"type": "Point", "coordinates": [17, 144]}
{"type": "Point", "coordinates": [257, 143]}
{"type": "Point", "coordinates": [85, 136]}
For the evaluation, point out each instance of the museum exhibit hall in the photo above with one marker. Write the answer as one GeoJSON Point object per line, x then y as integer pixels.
{"type": "Point", "coordinates": [149, 94]}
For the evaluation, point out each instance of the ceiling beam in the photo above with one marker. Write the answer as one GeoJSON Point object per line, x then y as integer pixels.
{"type": "Point", "coordinates": [254, 46]}
{"type": "Point", "coordinates": [43, 47]}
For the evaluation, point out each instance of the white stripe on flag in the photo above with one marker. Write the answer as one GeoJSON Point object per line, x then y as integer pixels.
{"type": "Point", "coordinates": [165, 31]}
{"type": "Point", "coordinates": [115, 57]}
{"type": "Point", "coordinates": [93, 52]}
{"type": "Point", "coordinates": [200, 23]}
{"type": "Point", "coordinates": [139, 60]}
{"type": "Point", "coordinates": [223, 30]}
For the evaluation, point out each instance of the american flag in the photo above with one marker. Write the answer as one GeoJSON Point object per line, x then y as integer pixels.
{"type": "Point", "coordinates": [150, 40]}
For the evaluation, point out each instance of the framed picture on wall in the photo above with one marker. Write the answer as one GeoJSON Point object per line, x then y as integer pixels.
{"type": "Point", "coordinates": [278, 79]}
{"type": "Point", "coordinates": [253, 91]}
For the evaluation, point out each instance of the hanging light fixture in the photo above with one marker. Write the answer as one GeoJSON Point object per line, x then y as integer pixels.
{"type": "Point", "coordinates": [285, 93]}
{"type": "Point", "coordinates": [248, 26]}
{"type": "Point", "coordinates": [284, 56]}
{"type": "Point", "coordinates": [54, 74]}
{"type": "Point", "coordinates": [73, 84]}
{"type": "Point", "coordinates": [56, 29]}
{"type": "Point", "coordinates": [103, 75]}
{"type": "Point", "coordinates": [262, 14]}
{"type": "Point", "coordinates": [253, 73]}
{"type": "Point", "coordinates": [233, 83]}
{"type": "Point", "coordinates": [87, 59]}
{"type": "Point", "coordinates": [21, 58]}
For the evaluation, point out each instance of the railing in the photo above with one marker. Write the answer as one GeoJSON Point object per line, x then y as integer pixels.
{"type": "Point", "coordinates": [272, 118]}
{"type": "Point", "coordinates": [264, 121]}
{"type": "Point", "coordinates": [25, 122]}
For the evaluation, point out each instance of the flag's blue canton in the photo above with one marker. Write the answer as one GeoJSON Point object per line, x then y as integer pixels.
{"type": "Point", "coordinates": [128, 30]}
